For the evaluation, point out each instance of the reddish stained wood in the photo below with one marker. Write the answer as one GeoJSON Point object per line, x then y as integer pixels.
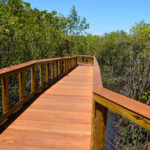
{"type": "Point", "coordinates": [16, 68]}
{"type": "Point", "coordinates": [59, 119]}
{"type": "Point", "coordinates": [97, 80]}
{"type": "Point", "coordinates": [128, 103]}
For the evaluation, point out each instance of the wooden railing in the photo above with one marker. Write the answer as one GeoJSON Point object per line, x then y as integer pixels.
{"type": "Point", "coordinates": [104, 100]}
{"type": "Point", "coordinates": [54, 70]}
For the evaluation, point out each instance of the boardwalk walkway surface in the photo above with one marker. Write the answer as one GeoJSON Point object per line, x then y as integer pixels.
{"type": "Point", "coordinates": [59, 119]}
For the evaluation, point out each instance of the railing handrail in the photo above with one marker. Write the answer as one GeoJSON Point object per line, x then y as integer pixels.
{"type": "Point", "coordinates": [17, 68]}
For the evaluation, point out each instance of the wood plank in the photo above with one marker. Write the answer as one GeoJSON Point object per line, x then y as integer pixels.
{"type": "Point", "coordinates": [123, 111]}
{"type": "Point", "coordinates": [60, 119]}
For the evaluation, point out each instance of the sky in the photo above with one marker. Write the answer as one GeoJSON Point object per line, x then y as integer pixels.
{"type": "Point", "coordinates": [104, 16]}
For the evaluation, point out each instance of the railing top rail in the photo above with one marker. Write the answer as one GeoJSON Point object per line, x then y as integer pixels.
{"type": "Point", "coordinates": [20, 67]}
{"type": "Point", "coordinates": [83, 56]}
{"type": "Point", "coordinates": [128, 103]}
{"type": "Point", "coordinates": [97, 80]}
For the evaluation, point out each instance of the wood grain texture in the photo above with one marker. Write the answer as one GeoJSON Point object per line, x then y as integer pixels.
{"type": "Point", "coordinates": [137, 107]}
{"type": "Point", "coordinates": [97, 80]}
{"type": "Point", "coordinates": [5, 72]}
{"type": "Point", "coordinates": [99, 117]}
{"type": "Point", "coordinates": [60, 119]}
{"type": "Point", "coordinates": [124, 112]}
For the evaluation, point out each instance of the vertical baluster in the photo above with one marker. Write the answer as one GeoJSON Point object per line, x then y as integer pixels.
{"type": "Point", "coordinates": [55, 69]}
{"type": "Point", "coordinates": [41, 75]}
{"type": "Point", "coordinates": [47, 72]}
{"type": "Point", "coordinates": [99, 117]}
{"type": "Point", "coordinates": [21, 85]}
{"type": "Point", "coordinates": [64, 65]}
{"type": "Point", "coordinates": [5, 95]}
{"type": "Point", "coordinates": [77, 59]}
{"type": "Point", "coordinates": [81, 59]}
{"type": "Point", "coordinates": [32, 79]}
{"type": "Point", "coordinates": [58, 67]}
{"type": "Point", "coordinates": [68, 64]}
{"type": "Point", "coordinates": [73, 62]}
{"type": "Point", "coordinates": [52, 71]}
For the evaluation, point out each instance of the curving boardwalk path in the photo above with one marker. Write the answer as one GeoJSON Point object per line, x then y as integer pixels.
{"type": "Point", "coordinates": [59, 119]}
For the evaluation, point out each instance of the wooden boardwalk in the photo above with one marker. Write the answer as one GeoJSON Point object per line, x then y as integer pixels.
{"type": "Point", "coordinates": [59, 119]}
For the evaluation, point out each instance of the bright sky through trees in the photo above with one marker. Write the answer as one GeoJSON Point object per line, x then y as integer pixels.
{"type": "Point", "coordinates": [103, 15]}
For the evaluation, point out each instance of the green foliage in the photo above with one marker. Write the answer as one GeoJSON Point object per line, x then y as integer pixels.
{"type": "Point", "coordinates": [27, 34]}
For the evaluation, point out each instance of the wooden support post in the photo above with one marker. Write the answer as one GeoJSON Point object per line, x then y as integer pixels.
{"type": "Point", "coordinates": [99, 117]}
{"type": "Point", "coordinates": [21, 85]}
{"type": "Point", "coordinates": [73, 62]}
{"type": "Point", "coordinates": [5, 95]}
{"type": "Point", "coordinates": [59, 68]}
{"type": "Point", "coordinates": [41, 75]}
{"type": "Point", "coordinates": [47, 72]}
{"type": "Point", "coordinates": [52, 71]}
{"type": "Point", "coordinates": [81, 60]}
{"type": "Point", "coordinates": [56, 69]}
{"type": "Point", "coordinates": [32, 79]}
{"type": "Point", "coordinates": [69, 63]}
{"type": "Point", "coordinates": [92, 61]}
{"type": "Point", "coordinates": [64, 65]}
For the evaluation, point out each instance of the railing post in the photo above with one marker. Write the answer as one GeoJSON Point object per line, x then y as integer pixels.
{"type": "Point", "coordinates": [99, 117]}
{"type": "Point", "coordinates": [5, 95]}
{"type": "Point", "coordinates": [32, 79]}
{"type": "Point", "coordinates": [41, 75]}
{"type": "Point", "coordinates": [56, 72]}
{"type": "Point", "coordinates": [64, 66]}
{"type": "Point", "coordinates": [21, 85]}
{"type": "Point", "coordinates": [52, 71]}
{"type": "Point", "coordinates": [76, 61]}
{"type": "Point", "coordinates": [58, 67]}
{"type": "Point", "coordinates": [47, 72]}
{"type": "Point", "coordinates": [61, 67]}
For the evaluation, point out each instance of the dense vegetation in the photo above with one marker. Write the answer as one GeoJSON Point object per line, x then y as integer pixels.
{"type": "Point", "coordinates": [27, 34]}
